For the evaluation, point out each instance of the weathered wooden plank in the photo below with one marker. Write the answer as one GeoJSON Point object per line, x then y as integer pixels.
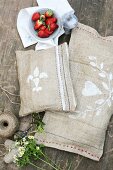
{"type": "Point", "coordinates": [95, 13]}
{"type": "Point", "coordinates": [9, 43]}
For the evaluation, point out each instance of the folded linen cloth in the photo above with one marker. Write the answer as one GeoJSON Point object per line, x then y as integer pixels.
{"type": "Point", "coordinates": [91, 67]}
{"type": "Point", "coordinates": [63, 7]}
{"type": "Point", "coordinates": [24, 23]}
{"type": "Point", "coordinates": [45, 82]}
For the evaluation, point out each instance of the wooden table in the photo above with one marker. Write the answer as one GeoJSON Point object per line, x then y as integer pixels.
{"type": "Point", "coordinates": [95, 13]}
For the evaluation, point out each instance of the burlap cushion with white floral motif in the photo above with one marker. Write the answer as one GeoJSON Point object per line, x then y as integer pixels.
{"type": "Point", "coordinates": [91, 67]}
{"type": "Point", "coordinates": [45, 82]}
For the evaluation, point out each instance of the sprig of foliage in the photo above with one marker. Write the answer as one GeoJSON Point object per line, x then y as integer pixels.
{"type": "Point", "coordinates": [37, 121]}
{"type": "Point", "coordinates": [28, 150]}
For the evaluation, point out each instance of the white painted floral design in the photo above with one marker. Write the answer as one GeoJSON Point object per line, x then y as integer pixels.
{"type": "Point", "coordinates": [90, 89]}
{"type": "Point", "coordinates": [35, 78]}
{"type": "Point", "coordinates": [107, 86]}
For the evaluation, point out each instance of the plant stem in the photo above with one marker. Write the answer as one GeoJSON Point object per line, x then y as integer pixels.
{"type": "Point", "coordinates": [70, 166]}
{"type": "Point", "coordinates": [35, 166]}
{"type": "Point", "coordinates": [46, 157]}
{"type": "Point", "coordinates": [47, 163]}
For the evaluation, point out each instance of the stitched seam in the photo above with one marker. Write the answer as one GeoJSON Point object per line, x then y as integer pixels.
{"type": "Point", "coordinates": [63, 64]}
{"type": "Point", "coordinates": [72, 96]}
{"type": "Point", "coordinates": [73, 140]}
{"type": "Point", "coordinates": [72, 147]}
{"type": "Point", "coordinates": [60, 78]}
{"type": "Point", "coordinates": [57, 78]}
{"type": "Point", "coordinates": [95, 35]}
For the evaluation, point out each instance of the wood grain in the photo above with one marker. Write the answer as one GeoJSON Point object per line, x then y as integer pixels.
{"type": "Point", "coordinates": [95, 13]}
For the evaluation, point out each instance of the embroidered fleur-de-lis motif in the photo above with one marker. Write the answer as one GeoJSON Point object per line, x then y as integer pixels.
{"type": "Point", "coordinates": [35, 78]}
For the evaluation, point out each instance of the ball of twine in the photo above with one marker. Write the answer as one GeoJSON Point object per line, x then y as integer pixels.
{"type": "Point", "coordinates": [8, 125]}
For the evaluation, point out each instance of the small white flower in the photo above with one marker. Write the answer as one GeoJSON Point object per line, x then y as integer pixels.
{"type": "Point", "coordinates": [26, 143]}
{"type": "Point", "coordinates": [30, 137]}
{"type": "Point", "coordinates": [24, 139]}
{"type": "Point", "coordinates": [14, 161]}
{"type": "Point", "coordinates": [20, 154]}
{"type": "Point", "coordinates": [21, 149]}
{"type": "Point", "coordinates": [17, 143]}
{"type": "Point", "coordinates": [15, 158]}
{"type": "Point", "coordinates": [37, 148]}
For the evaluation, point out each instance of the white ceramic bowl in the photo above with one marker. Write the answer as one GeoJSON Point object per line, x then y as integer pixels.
{"type": "Point", "coordinates": [56, 32]}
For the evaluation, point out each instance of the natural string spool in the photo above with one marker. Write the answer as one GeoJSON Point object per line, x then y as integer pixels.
{"type": "Point", "coordinates": [8, 124]}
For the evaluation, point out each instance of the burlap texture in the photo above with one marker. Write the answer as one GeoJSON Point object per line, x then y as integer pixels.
{"type": "Point", "coordinates": [91, 67]}
{"type": "Point", "coordinates": [45, 82]}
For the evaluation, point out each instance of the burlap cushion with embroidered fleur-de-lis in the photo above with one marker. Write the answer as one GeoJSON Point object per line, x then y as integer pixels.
{"type": "Point", "coordinates": [45, 82]}
{"type": "Point", "coordinates": [91, 67]}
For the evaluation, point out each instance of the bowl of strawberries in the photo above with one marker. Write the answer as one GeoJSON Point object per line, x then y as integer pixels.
{"type": "Point", "coordinates": [46, 24]}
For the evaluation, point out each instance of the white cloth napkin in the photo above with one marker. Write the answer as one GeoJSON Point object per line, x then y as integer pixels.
{"type": "Point", "coordinates": [24, 19]}
{"type": "Point", "coordinates": [62, 7]}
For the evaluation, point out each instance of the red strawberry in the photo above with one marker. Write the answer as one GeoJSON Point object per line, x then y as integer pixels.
{"type": "Point", "coordinates": [43, 27]}
{"type": "Point", "coordinates": [51, 20]}
{"type": "Point", "coordinates": [38, 24]}
{"type": "Point", "coordinates": [49, 13]}
{"type": "Point", "coordinates": [42, 17]}
{"type": "Point", "coordinates": [48, 31]}
{"type": "Point", "coordinates": [36, 16]}
{"type": "Point", "coordinates": [43, 34]}
{"type": "Point", "coordinates": [53, 26]}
